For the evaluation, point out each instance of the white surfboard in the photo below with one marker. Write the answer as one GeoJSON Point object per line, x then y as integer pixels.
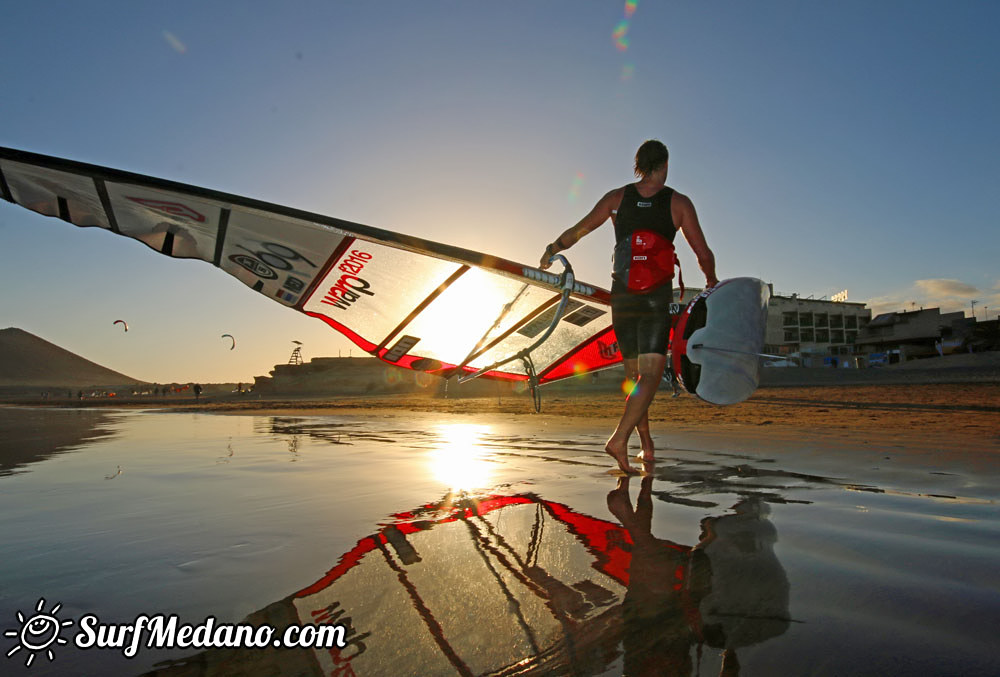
{"type": "Point", "coordinates": [718, 340]}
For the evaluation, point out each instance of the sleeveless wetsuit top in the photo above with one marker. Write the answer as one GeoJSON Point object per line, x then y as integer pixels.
{"type": "Point", "coordinates": [641, 321]}
{"type": "Point", "coordinates": [639, 213]}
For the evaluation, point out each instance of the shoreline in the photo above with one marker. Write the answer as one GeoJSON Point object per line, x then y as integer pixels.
{"type": "Point", "coordinates": [926, 416]}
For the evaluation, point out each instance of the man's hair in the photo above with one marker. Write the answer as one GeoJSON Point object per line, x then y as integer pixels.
{"type": "Point", "coordinates": [650, 156]}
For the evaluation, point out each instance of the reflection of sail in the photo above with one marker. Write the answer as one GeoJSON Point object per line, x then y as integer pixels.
{"type": "Point", "coordinates": [498, 585]}
{"type": "Point", "coordinates": [503, 585]}
{"type": "Point", "coordinates": [478, 587]}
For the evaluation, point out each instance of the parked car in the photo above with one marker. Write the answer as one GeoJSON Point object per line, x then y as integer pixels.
{"type": "Point", "coordinates": [779, 363]}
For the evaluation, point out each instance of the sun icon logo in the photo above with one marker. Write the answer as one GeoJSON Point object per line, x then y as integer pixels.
{"type": "Point", "coordinates": [38, 633]}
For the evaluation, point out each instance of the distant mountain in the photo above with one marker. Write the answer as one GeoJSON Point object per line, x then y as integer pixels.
{"type": "Point", "coordinates": [27, 360]}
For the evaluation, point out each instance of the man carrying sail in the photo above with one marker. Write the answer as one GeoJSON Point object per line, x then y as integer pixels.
{"type": "Point", "coordinates": [646, 215]}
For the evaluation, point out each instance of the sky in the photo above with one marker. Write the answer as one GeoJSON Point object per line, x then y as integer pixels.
{"type": "Point", "coordinates": [826, 146]}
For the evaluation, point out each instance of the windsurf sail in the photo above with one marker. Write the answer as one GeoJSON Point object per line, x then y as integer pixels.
{"type": "Point", "coordinates": [411, 302]}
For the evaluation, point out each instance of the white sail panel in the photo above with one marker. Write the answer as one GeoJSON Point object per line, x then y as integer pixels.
{"type": "Point", "coordinates": [181, 226]}
{"type": "Point", "coordinates": [472, 308]}
{"type": "Point", "coordinates": [41, 188]}
{"type": "Point", "coordinates": [372, 288]}
{"type": "Point", "coordinates": [278, 256]}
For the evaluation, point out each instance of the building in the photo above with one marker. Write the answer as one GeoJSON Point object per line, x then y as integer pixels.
{"type": "Point", "coordinates": [806, 326]}
{"type": "Point", "coordinates": [921, 333]}
{"type": "Point", "coordinates": [813, 326]}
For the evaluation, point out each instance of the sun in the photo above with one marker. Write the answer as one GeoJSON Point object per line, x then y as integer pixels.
{"type": "Point", "coordinates": [38, 633]}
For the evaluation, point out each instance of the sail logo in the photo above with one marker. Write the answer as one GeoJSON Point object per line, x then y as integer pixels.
{"type": "Point", "coordinates": [254, 266]}
{"type": "Point", "coordinates": [348, 289]}
{"type": "Point", "coordinates": [172, 208]}
{"type": "Point", "coordinates": [608, 351]}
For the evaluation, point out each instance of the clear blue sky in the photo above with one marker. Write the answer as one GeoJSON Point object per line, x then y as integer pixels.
{"type": "Point", "coordinates": [827, 146]}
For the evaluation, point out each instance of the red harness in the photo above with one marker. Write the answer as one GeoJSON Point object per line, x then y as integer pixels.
{"type": "Point", "coordinates": [644, 261]}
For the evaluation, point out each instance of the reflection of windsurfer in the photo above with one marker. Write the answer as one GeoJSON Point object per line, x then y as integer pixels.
{"type": "Point", "coordinates": [641, 319]}
{"type": "Point", "coordinates": [657, 637]}
{"type": "Point", "coordinates": [728, 591]}
{"type": "Point", "coordinates": [747, 599]}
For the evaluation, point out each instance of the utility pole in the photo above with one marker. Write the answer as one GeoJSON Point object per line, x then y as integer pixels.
{"type": "Point", "coordinates": [973, 302]}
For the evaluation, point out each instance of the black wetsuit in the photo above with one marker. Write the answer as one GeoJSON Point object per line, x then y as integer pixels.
{"type": "Point", "coordinates": [642, 321]}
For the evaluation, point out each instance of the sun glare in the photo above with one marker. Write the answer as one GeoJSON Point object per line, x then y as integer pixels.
{"type": "Point", "coordinates": [455, 322]}
{"type": "Point", "coordinates": [459, 460]}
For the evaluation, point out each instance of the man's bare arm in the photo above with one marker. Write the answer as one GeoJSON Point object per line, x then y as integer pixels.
{"type": "Point", "coordinates": [688, 224]}
{"type": "Point", "coordinates": [597, 216]}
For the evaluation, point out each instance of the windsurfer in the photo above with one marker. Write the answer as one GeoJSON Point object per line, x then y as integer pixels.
{"type": "Point", "coordinates": [641, 319]}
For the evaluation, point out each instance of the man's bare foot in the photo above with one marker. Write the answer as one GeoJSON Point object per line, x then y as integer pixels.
{"type": "Point", "coordinates": [619, 452]}
{"type": "Point", "coordinates": [647, 450]}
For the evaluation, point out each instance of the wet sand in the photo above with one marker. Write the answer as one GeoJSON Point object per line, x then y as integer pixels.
{"type": "Point", "coordinates": [272, 516]}
{"type": "Point", "coordinates": [959, 416]}
{"type": "Point", "coordinates": [959, 420]}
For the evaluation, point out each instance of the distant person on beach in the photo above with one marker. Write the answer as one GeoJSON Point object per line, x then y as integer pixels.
{"type": "Point", "coordinates": [197, 391]}
{"type": "Point", "coordinates": [641, 320]}
{"type": "Point", "coordinates": [672, 378]}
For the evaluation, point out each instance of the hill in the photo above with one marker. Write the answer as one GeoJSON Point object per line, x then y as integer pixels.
{"type": "Point", "coordinates": [27, 360]}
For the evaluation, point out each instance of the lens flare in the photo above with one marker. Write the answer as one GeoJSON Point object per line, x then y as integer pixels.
{"type": "Point", "coordinates": [628, 386]}
{"type": "Point", "coordinates": [393, 376]}
{"type": "Point", "coordinates": [630, 6]}
{"type": "Point", "coordinates": [174, 42]}
{"type": "Point", "coordinates": [628, 70]}
{"type": "Point", "coordinates": [574, 189]}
